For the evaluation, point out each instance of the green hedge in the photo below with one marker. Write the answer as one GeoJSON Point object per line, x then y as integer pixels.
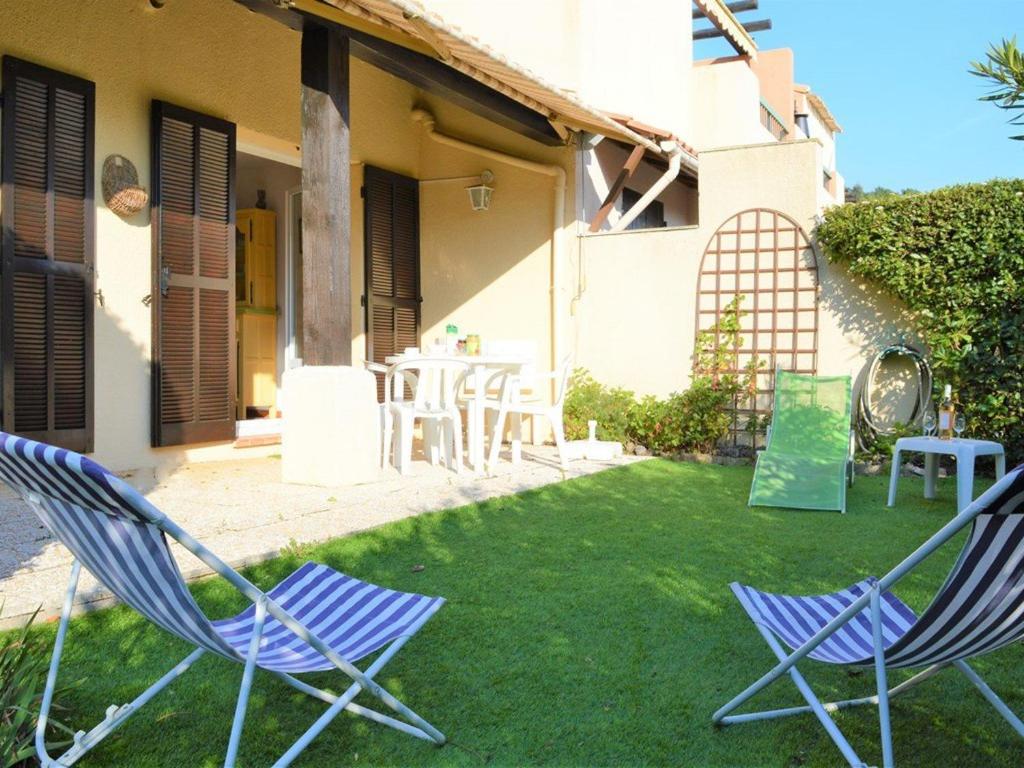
{"type": "Point", "coordinates": [955, 258]}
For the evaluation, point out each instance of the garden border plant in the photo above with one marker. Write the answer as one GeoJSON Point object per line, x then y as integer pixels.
{"type": "Point", "coordinates": [693, 421]}
{"type": "Point", "coordinates": [955, 258]}
{"type": "Point", "coordinates": [24, 661]}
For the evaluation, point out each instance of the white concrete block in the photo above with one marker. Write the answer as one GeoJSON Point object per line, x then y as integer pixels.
{"type": "Point", "coordinates": [331, 426]}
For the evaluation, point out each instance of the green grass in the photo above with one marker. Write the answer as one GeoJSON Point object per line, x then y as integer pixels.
{"type": "Point", "coordinates": [588, 624]}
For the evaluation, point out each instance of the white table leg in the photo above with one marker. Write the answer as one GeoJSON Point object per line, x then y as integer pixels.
{"type": "Point", "coordinates": [1000, 465]}
{"type": "Point", "coordinates": [931, 474]}
{"type": "Point", "coordinates": [894, 476]}
{"type": "Point", "coordinates": [964, 480]}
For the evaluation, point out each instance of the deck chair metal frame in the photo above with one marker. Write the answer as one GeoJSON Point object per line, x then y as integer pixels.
{"type": "Point", "coordinates": [1012, 487]}
{"type": "Point", "coordinates": [265, 605]}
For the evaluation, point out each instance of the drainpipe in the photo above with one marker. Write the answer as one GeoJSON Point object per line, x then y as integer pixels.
{"type": "Point", "coordinates": [675, 160]}
{"type": "Point", "coordinates": [557, 174]}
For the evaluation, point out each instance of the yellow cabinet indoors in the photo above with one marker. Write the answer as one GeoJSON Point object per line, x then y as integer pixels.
{"type": "Point", "coordinates": [256, 311]}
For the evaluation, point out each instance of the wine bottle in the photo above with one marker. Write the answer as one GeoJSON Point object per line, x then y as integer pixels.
{"type": "Point", "coordinates": [947, 414]}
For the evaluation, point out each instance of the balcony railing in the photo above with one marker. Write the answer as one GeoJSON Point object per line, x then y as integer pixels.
{"type": "Point", "coordinates": [772, 122]}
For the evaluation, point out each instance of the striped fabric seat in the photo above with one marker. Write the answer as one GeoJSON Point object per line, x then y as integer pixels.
{"type": "Point", "coordinates": [316, 620]}
{"type": "Point", "coordinates": [354, 618]}
{"type": "Point", "coordinates": [796, 619]}
{"type": "Point", "coordinates": [115, 533]}
{"type": "Point", "coordinates": [980, 607]}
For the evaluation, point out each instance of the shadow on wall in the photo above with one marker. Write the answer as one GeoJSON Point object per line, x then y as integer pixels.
{"type": "Point", "coordinates": [875, 319]}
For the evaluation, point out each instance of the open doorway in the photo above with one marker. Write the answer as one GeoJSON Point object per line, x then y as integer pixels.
{"type": "Point", "coordinates": [268, 213]}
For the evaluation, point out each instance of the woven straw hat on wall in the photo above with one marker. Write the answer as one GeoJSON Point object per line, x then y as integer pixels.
{"type": "Point", "coordinates": [121, 190]}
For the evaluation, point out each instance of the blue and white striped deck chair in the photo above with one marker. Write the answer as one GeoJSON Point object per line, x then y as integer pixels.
{"type": "Point", "coordinates": [979, 609]}
{"type": "Point", "coordinates": [315, 620]}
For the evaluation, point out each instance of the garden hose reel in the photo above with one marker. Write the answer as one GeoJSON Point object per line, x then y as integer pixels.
{"type": "Point", "coordinates": [867, 425]}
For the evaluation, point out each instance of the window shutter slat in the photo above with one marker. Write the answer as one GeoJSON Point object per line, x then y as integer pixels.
{"type": "Point", "coordinates": [194, 263]}
{"type": "Point", "coordinates": [391, 230]}
{"type": "Point", "coordinates": [31, 393]}
{"type": "Point", "coordinates": [46, 316]}
{"type": "Point", "coordinates": [69, 351]}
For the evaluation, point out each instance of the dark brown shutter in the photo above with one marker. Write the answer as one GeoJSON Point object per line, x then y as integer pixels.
{"type": "Point", "coordinates": [193, 222]}
{"type": "Point", "coordinates": [48, 277]}
{"type": "Point", "coordinates": [392, 232]}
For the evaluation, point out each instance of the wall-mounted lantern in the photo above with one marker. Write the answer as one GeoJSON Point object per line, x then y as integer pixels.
{"type": "Point", "coordinates": [480, 194]}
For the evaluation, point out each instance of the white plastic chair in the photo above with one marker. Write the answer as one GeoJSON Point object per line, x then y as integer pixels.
{"type": "Point", "coordinates": [434, 382]}
{"type": "Point", "coordinates": [383, 418]}
{"type": "Point", "coordinates": [512, 403]}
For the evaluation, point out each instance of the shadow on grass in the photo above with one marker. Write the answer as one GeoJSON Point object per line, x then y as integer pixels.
{"type": "Point", "coordinates": [588, 623]}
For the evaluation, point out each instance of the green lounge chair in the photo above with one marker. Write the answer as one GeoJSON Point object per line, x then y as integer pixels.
{"type": "Point", "coordinates": [807, 461]}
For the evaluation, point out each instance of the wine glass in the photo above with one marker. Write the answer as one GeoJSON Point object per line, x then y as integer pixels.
{"type": "Point", "coordinates": [960, 424]}
{"type": "Point", "coordinates": [928, 423]}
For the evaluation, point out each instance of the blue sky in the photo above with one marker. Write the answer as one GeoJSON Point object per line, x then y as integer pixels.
{"type": "Point", "coordinates": [895, 76]}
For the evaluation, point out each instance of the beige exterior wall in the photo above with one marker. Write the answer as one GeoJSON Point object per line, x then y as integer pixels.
{"type": "Point", "coordinates": [637, 60]}
{"type": "Point", "coordinates": [634, 320]}
{"type": "Point", "coordinates": [726, 105]}
{"type": "Point", "coordinates": [623, 304]}
{"type": "Point", "coordinates": [134, 54]}
{"type": "Point", "coordinates": [490, 272]}
{"type": "Point", "coordinates": [540, 35]}
{"type": "Point", "coordinates": [599, 49]}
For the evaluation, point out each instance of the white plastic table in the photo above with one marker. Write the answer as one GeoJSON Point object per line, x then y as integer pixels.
{"type": "Point", "coordinates": [965, 450]}
{"type": "Point", "coordinates": [479, 366]}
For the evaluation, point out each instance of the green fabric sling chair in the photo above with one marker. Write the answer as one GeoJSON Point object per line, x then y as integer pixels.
{"type": "Point", "coordinates": [807, 460]}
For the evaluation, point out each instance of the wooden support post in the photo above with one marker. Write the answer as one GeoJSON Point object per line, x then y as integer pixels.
{"type": "Point", "coordinates": [616, 189]}
{"type": "Point", "coordinates": [326, 203]}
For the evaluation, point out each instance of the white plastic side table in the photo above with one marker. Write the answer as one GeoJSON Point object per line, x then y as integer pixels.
{"type": "Point", "coordinates": [965, 450]}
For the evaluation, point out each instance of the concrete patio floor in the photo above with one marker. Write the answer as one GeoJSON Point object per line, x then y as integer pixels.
{"type": "Point", "coordinates": [244, 513]}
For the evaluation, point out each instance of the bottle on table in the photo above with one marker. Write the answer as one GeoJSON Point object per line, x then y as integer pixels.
{"type": "Point", "coordinates": [947, 414]}
{"type": "Point", "coordinates": [451, 341]}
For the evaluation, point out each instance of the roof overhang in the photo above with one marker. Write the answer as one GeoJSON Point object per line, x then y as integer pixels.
{"type": "Point", "coordinates": [404, 24]}
{"type": "Point", "coordinates": [818, 105]}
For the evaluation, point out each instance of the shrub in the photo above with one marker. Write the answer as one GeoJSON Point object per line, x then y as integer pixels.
{"type": "Point", "coordinates": [955, 258]}
{"type": "Point", "coordinates": [24, 657]}
{"type": "Point", "coordinates": [692, 421]}
{"type": "Point", "coordinates": [708, 415]}
{"type": "Point", "coordinates": [588, 399]}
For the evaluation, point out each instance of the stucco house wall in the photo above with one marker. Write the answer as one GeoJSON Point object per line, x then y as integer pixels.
{"type": "Point", "coordinates": [634, 322]}
{"type": "Point", "coordinates": [594, 48]}
{"type": "Point", "coordinates": [726, 104]}
{"type": "Point", "coordinates": [488, 271]}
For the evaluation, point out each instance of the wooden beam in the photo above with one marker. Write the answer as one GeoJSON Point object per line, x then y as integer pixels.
{"type": "Point", "coordinates": [433, 76]}
{"type": "Point", "coordinates": [429, 36]}
{"type": "Point", "coordinates": [616, 189]}
{"type": "Point", "coordinates": [412, 60]}
{"type": "Point", "coordinates": [751, 26]}
{"type": "Point", "coordinates": [326, 204]}
{"type": "Point", "coordinates": [737, 7]}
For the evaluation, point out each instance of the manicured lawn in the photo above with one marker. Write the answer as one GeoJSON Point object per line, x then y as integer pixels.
{"type": "Point", "coordinates": [588, 624]}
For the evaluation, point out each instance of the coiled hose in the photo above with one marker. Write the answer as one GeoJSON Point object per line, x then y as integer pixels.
{"type": "Point", "coordinates": [868, 429]}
